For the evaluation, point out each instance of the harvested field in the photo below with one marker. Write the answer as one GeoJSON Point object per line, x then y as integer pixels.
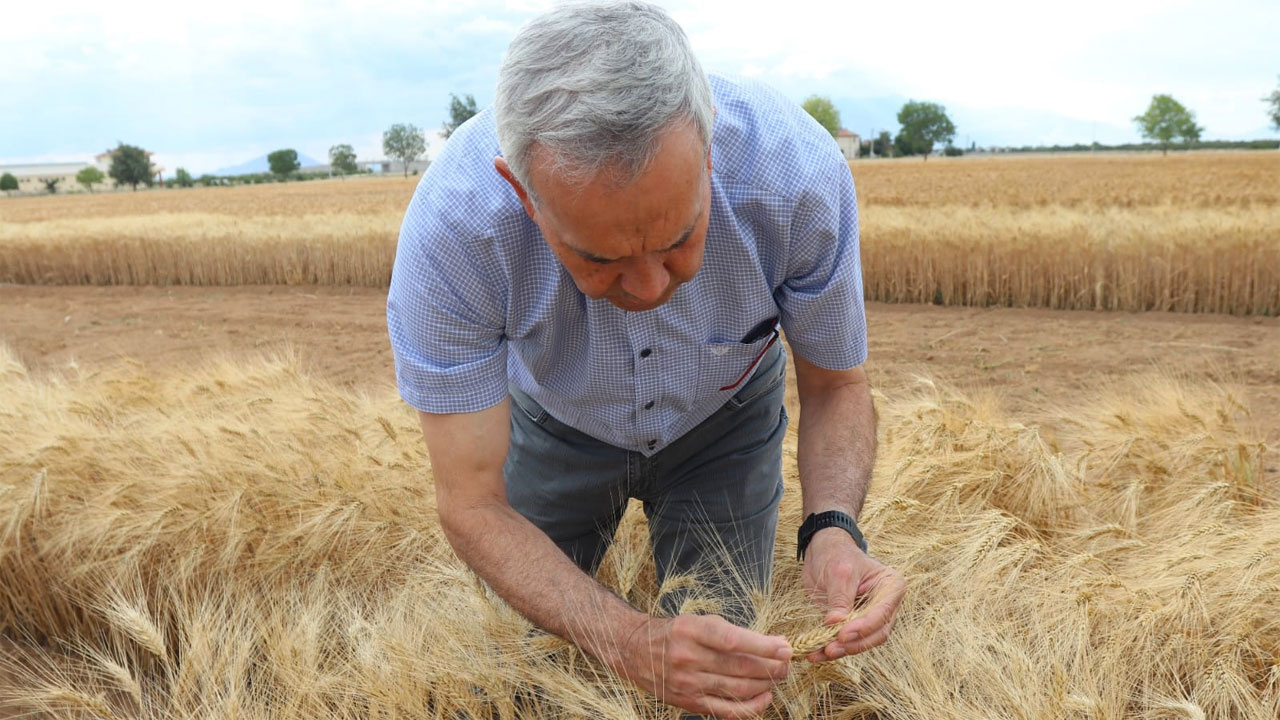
{"type": "Point", "coordinates": [1191, 232]}
{"type": "Point", "coordinates": [243, 539]}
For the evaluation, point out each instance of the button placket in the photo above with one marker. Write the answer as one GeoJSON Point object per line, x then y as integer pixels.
{"type": "Point", "coordinates": [648, 371]}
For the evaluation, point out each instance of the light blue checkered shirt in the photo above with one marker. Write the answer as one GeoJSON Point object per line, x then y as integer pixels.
{"type": "Point", "coordinates": [477, 299]}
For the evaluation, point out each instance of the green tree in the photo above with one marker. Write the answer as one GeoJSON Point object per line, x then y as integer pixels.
{"type": "Point", "coordinates": [1166, 119]}
{"type": "Point", "coordinates": [8, 182]}
{"type": "Point", "coordinates": [51, 184]}
{"type": "Point", "coordinates": [882, 146]}
{"type": "Point", "coordinates": [1273, 101]}
{"type": "Point", "coordinates": [130, 165]}
{"type": "Point", "coordinates": [460, 111]}
{"type": "Point", "coordinates": [923, 125]}
{"type": "Point", "coordinates": [824, 111]}
{"type": "Point", "coordinates": [405, 143]}
{"type": "Point", "coordinates": [283, 162]}
{"type": "Point", "coordinates": [182, 178]}
{"type": "Point", "coordinates": [90, 176]}
{"type": "Point", "coordinates": [208, 180]}
{"type": "Point", "coordinates": [904, 145]}
{"type": "Point", "coordinates": [342, 158]}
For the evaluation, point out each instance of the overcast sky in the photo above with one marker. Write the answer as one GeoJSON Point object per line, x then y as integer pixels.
{"type": "Point", "coordinates": [211, 84]}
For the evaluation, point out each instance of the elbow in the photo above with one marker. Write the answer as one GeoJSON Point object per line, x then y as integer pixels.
{"type": "Point", "coordinates": [464, 519]}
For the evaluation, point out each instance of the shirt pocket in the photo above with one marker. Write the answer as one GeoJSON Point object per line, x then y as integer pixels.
{"type": "Point", "coordinates": [727, 365]}
{"type": "Point", "coordinates": [530, 407]}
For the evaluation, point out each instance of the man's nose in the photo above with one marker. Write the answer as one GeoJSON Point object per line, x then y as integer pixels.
{"type": "Point", "coordinates": [646, 279]}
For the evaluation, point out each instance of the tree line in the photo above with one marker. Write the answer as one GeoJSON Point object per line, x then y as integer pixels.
{"type": "Point", "coordinates": [131, 165]}
{"type": "Point", "coordinates": [925, 125]}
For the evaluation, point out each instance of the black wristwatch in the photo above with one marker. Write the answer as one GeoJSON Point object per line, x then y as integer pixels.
{"type": "Point", "coordinates": [830, 518]}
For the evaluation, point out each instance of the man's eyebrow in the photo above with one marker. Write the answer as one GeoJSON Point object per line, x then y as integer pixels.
{"type": "Point", "coordinates": [601, 259]}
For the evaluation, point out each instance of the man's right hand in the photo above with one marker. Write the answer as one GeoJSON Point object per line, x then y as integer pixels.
{"type": "Point", "coordinates": [702, 663]}
{"type": "Point", "coordinates": [705, 664]}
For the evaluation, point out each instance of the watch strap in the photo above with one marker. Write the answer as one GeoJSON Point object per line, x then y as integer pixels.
{"type": "Point", "coordinates": [819, 521]}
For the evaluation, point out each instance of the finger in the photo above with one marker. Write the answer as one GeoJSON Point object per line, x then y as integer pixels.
{"type": "Point", "coordinates": [724, 637]}
{"type": "Point", "coordinates": [704, 659]}
{"type": "Point", "coordinates": [732, 709]}
{"type": "Point", "coordinates": [832, 651]}
{"type": "Point", "coordinates": [883, 602]}
{"type": "Point", "coordinates": [864, 644]}
{"type": "Point", "coordinates": [732, 688]}
{"type": "Point", "coordinates": [752, 666]}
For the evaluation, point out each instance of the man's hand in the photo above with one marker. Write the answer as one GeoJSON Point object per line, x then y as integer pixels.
{"type": "Point", "coordinates": [836, 574]}
{"type": "Point", "coordinates": [705, 664]}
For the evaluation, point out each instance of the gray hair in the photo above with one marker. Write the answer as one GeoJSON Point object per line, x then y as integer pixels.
{"type": "Point", "coordinates": [594, 85]}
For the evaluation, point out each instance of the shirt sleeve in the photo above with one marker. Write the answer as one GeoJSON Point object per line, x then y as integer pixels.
{"type": "Point", "coordinates": [446, 310]}
{"type": "Point", "coordinates": [820, 300]}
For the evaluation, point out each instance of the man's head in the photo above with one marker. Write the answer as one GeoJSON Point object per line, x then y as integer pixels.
{"type": "Point", "coordinates": [604, 117]}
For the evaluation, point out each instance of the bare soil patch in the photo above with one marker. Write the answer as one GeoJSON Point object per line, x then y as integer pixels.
{"type": "Point", "coordinates": [1035, 359]}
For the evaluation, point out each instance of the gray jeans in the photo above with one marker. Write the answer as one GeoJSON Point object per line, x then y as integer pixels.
{"type": "Point", "coordinates": [715, 489]}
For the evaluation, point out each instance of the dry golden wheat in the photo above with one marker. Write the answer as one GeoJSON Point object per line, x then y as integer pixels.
{"type": "Point", "coordinates": [820, 636]}
{"type": "Point", "coordinates": [293, 568]}
{"type": "Point", "coordinates": [1123, 180]}
{"type": "Point", "coordinates": [1193, 232]}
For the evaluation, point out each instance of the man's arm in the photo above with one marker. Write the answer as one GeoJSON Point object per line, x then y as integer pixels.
{"type": "Point", "coordinates": [701, 663]}
{"type": "Point", "coordinates": [837, 448]}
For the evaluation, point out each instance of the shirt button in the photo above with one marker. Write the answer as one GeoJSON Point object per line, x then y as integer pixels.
{"type": "Point", "coordinates": [646, 352]}
{"type": "Point", "coordinates": [648, 405]}
{"type": "Point", "coordinates": [653, 444]}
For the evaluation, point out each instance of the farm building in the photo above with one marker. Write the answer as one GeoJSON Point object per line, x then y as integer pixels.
{"type": "Point", "coordinates": [387, 167]}
{"type": "Point", "coordinates": [102, 161]}
{"type": "Point", "coordinates": [850, 143]}
{"type": "Point", "coordinates": [32, 177]}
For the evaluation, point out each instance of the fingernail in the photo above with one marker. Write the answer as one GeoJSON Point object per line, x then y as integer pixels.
{"type": "Point", "coordinates": [784, 653]}
{"type": "Point", "coordinates": [839, 653]}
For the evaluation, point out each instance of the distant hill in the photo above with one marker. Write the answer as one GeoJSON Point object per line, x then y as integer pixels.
{"type": "Point", "coordinates": [260, 165]}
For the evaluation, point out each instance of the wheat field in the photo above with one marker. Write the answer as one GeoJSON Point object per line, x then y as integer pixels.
{"type": "Point", "coordinates": [242, 540]}
{"type": "Point", "coordinates": [1191, 232]}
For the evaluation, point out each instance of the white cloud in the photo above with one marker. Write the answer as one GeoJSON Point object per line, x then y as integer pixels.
{"type": "Point", "coordinates": [188, 78]}
{"type": "Point", "coordinates": [1090, 59]}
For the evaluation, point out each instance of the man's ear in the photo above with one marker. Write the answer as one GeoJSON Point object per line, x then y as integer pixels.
{"type": "Point", "coordinates": [500, 164]}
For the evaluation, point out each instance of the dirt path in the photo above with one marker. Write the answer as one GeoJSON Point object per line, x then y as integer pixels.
{"type": "Point", "coordinates": [1031, 357]}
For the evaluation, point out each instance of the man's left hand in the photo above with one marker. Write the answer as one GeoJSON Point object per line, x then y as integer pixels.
{"type": "Point", "coordinates": [836, 574]}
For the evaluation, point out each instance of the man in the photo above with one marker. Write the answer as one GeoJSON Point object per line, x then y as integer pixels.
{"type": "Point", "coordinates": [584, 308]}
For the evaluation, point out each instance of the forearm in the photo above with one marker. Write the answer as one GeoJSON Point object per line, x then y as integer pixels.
{"type": "Point", "coordinates": [837, 448]}
{"type": "Point", "coordinates": [527, 570]}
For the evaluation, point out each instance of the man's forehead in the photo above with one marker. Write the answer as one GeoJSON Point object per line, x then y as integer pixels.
{"type": "Point", "coordinates": [610, 236]}
{"type": "Point", "coordinates": [657, 207]}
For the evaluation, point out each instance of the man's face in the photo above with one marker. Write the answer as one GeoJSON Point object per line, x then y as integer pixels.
{"type": "Point", "coordinates": [632, 245]}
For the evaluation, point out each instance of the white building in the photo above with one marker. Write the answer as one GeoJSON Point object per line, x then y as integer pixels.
{"type": "Point", "coordinates": [32, 177]}
{"type": "Point", "coordinates": [850, 143]}
{"type": "Point", "coordinates": [393, 167]}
